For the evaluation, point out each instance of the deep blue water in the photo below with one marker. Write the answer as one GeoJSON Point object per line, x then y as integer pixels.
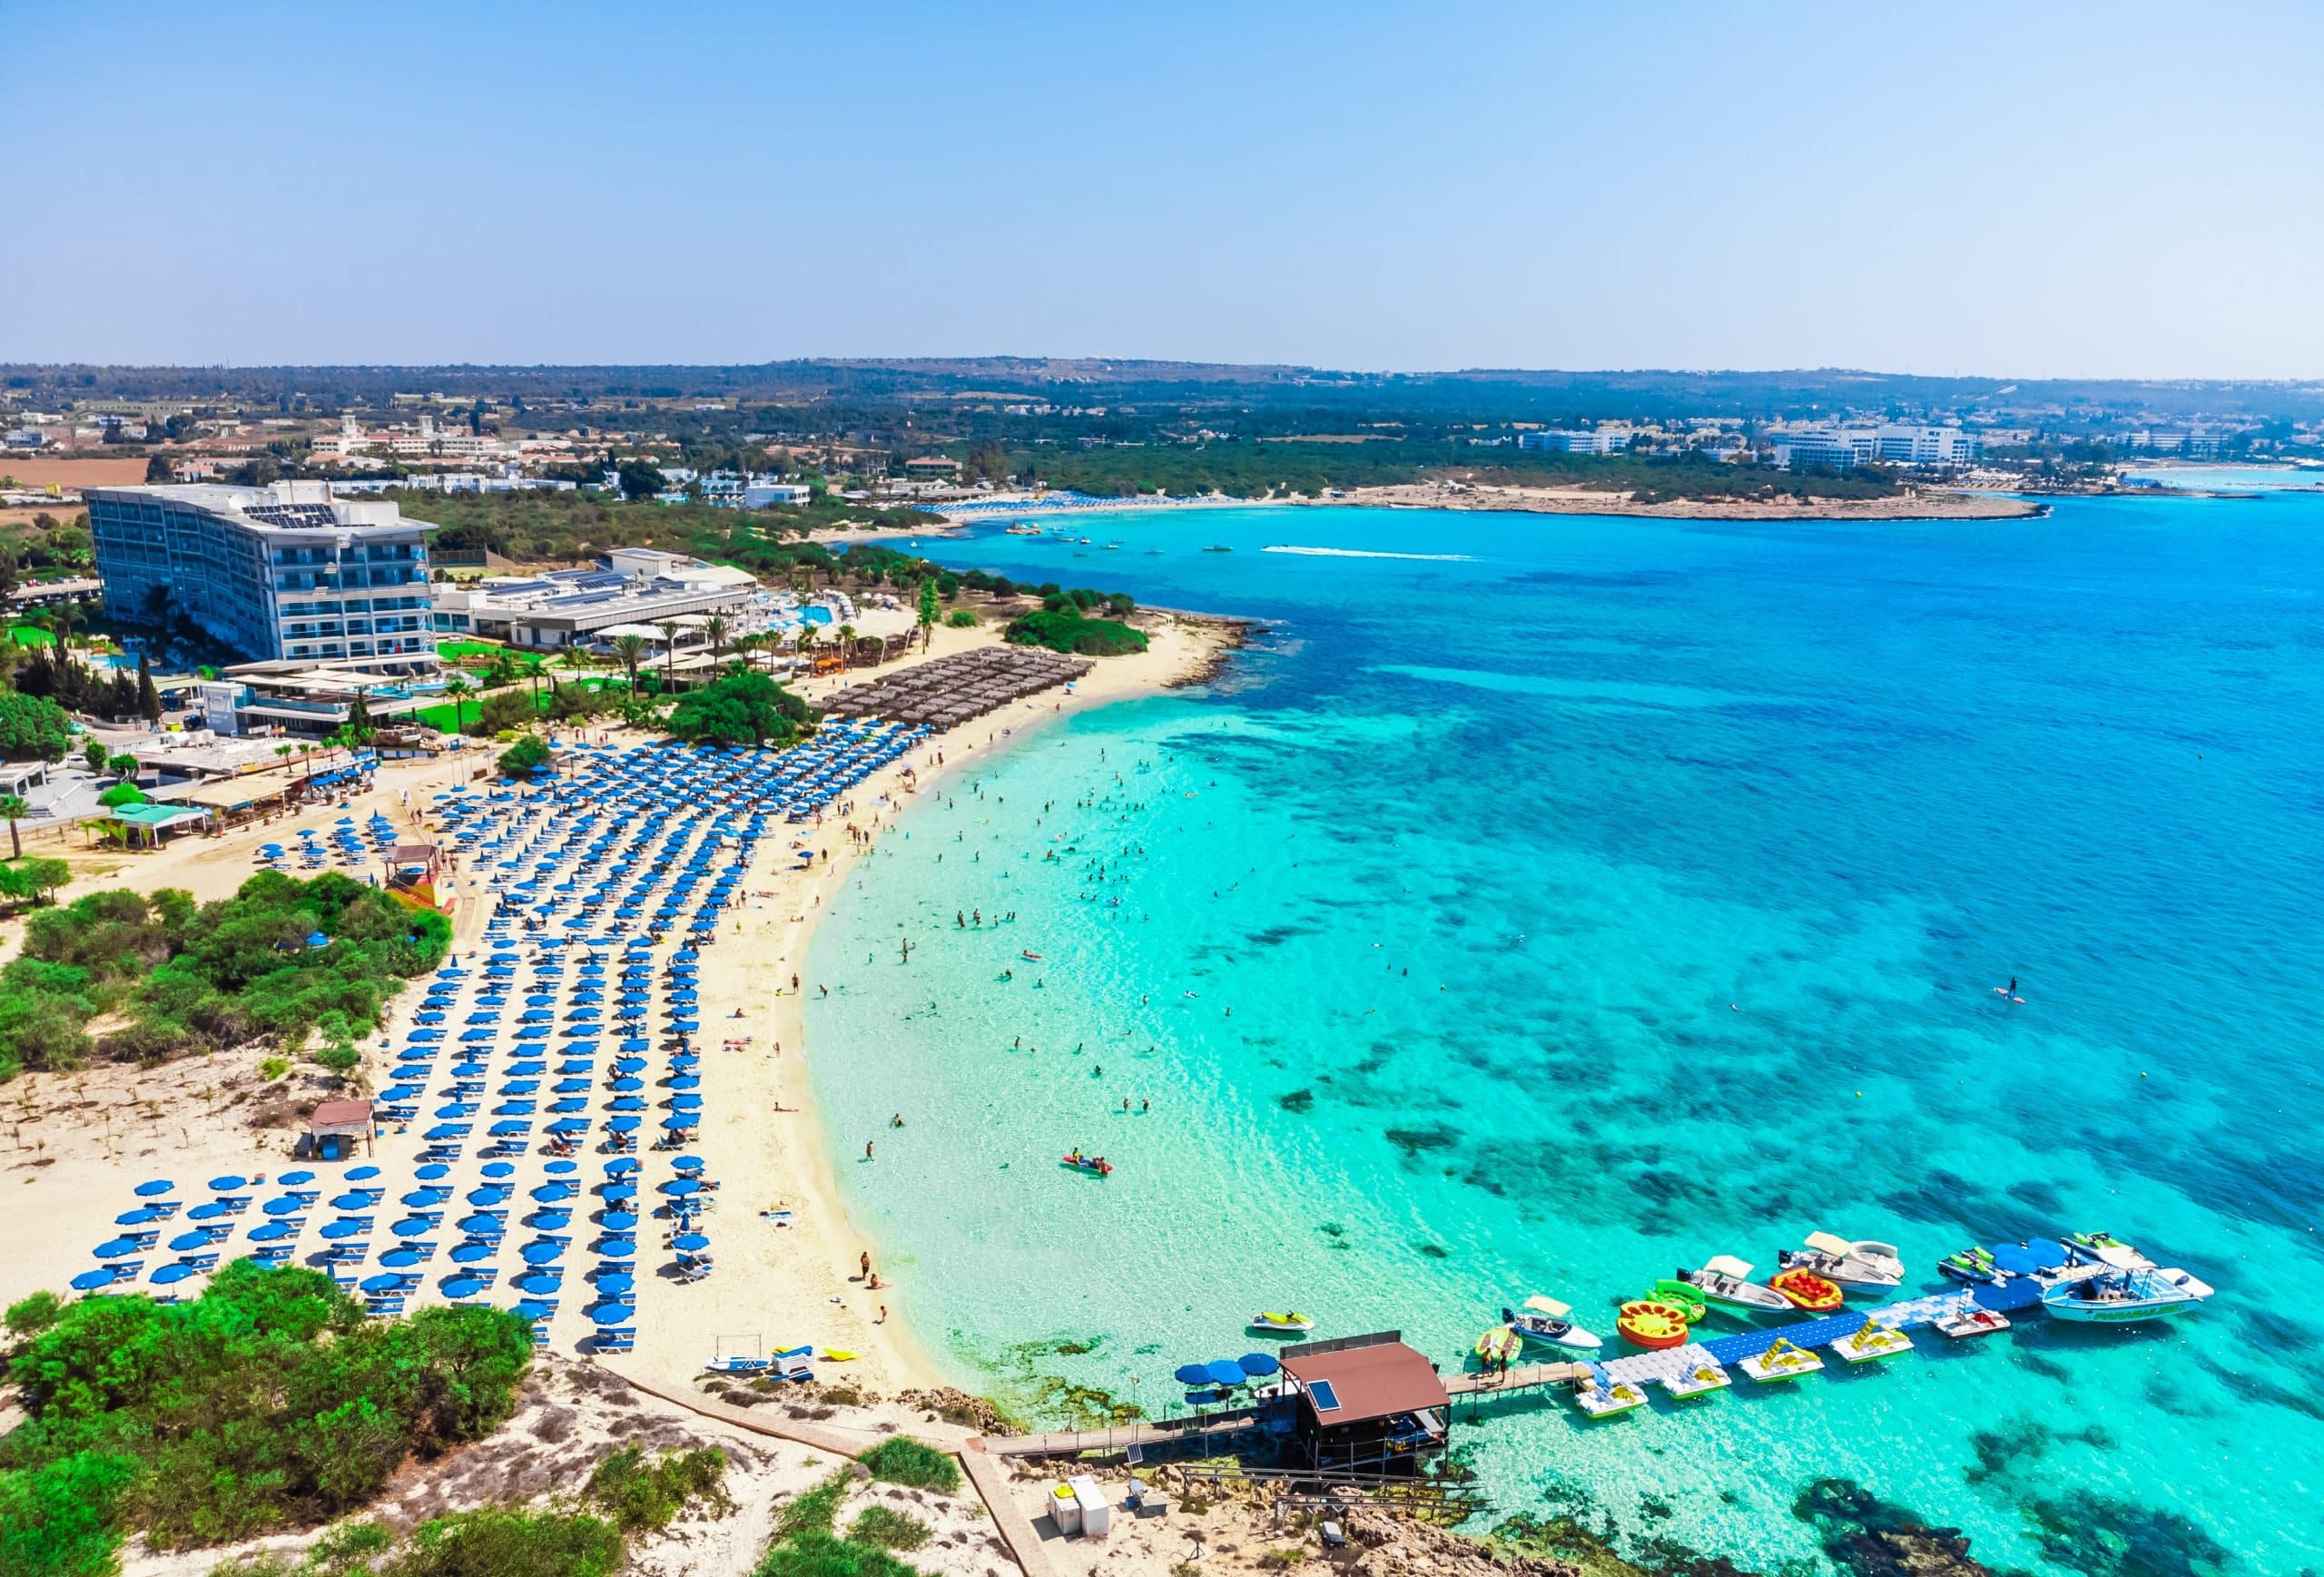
{"type": "Point", "coordinates": [1630, 892]}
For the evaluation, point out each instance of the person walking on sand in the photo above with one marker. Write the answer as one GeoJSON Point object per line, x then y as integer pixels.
{"type": "Point", "coordinates": [867, 1149]}
{"type": "Point", "coordinates": [865, 1261]}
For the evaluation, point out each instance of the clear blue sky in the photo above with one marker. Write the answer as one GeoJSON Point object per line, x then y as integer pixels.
{"type": "Point", "coordinates": [2019, 190]}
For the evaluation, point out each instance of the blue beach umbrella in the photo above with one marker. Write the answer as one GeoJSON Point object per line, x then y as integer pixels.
{"type": "Point", "coordinates": [680, 1187]}
{"type": "Point", "coordinates": [499, 1169]}
{"type": "Point", "coordinates": [185, 1242]}
{"type": "Point", "coordinates": [1192, 1374]}
{"type": "Point", "coordinates": [362, 1174]}
{"type": "Point", "coordinates": [479, 1225]}
{"type": "Point", "coordinates": [91, 1280]}
{"type": "Point", "coordinates": [538, 1281]}
{"type": "Point", "coordinates": [622, 1124]}
{"type": "Point", "coordinates": [559, 1168]}
{"type": "Point", "coordinates": [617, 1221]}
{"type": "Point", "coordinates": [533, 1309]}
{"type": "Point", "coordinates": [138, 1218]}
{"type": "Point", "coordinates": [1258, 1365]}
{"type": "Point", "coordinates": [614, 1284]}
{"type": "Point", "coordinates": [335, 1230]}
{"type": "Point", "coordinates": [376, 1285]}
{"type": "Point", "coordinates": [214, 1210]}
{"type": "Point", "coordinates": [273, 1232]}
{"type": "Point", "coordinates": [402, 1258]}
{"type": "Point", "coordinates": [549, 1220]}
{"type": "Point", "coordinates": [431, 1171]}
{"type": "Point", "coordinates": [411, 1227]}
{"type": "Point", "coordinates": [611, 1314]}
{"type": "Point", "coordinates": [470, 1253]}
{"type": "Point", "coordinates": [461, 1287]}
{"type": "Point", "coordinates": [684, 1119]}
{"type": "Point", "coordinates": [2015, 1259]}
{"type": "Point", "coordinates": [543, 1253]}
{"type": "Point", "coordinates": [169, 1275]}
{"type": "Point", "coordinates": [1225, 1372]}
{"type": "Point", "coordinates": [350, 1201]}
{"type": "Point", "coordinates": [616, 1248]}
{"type": "Point", "coordinates": [115, 1248]}
{"type": "Point", "coordinates": [690, 1242]}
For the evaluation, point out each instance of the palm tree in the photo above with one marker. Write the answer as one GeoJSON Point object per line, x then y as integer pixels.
{"type": "Point", "coordinates": [14, 807]}
{"type": "Point", "coordinates": [456, 687]}
{"type": "Point", "coordinates": [846, 634]}
{"type": "Point", "coordinates": [713, 629]}
{"type": "Point", "coordinates": [669, 628]}
{"type": "Point", "coordinates": [629, 649]}
{"type": "Point", "coordinates": [807, 645]}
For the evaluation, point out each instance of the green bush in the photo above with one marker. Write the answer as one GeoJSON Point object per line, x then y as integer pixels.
{"type": "Point", "coordinates": [491, 1543]}
{"type": "Point", "coordinates": [888, 1528]}
{"type": "Point", "coordinates": [270, 1400]}
{"type": "Point", "coordinates": [519, 759]}
{"type": "Point", "coordinates": [191, 977]}
{"type": "Point", "coordinates": [56, 1520]}
{"type": "Point", "coordinates": [642, 1497]}
{"type": "Point", "coordinates": [901, 1459]}
{"type": "Point", "coordinates": [960, 618]}
{"type": "Point", "coordinates": [740, 709]}
{"type": "Point", "coordinates": [1064, 630]}
{"type": "Point", "coordinates": [806, 1546]}
{"type": "Point", "coordinates": [31, 1316]}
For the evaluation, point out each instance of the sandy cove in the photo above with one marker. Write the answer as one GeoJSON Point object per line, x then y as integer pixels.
{"type": "Point", "coordinates": [72, 1146]}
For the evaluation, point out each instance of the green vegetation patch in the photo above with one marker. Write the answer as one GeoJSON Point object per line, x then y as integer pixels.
{"type": "Point", "coordinates": [888, 1528]}
{"type": "Point", "coordinates": [806, 1546]}
{"type": "Point", "coordinates": [744, 708]}
{"type": "Point", "coordinates": [642, 1497]}
{"type": "Point", "coordinates": [1070, 631]}
{"type": "Point", "coordinates": [269, 1401]}
{"type": "Point", "coordinates": [202, 976]}
{"type": "Point", "coordinates": [901, 1459]}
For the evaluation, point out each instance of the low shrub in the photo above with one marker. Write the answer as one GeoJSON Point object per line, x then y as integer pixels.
{"type": "Point", "coordinates": [901, 1459]}
{"type": "Point", "coordinates": [889, 1529]}
{"type": "Point", "coordinates": [491, 1543]}
{"type": "Point", "coordinates": [644, 1497]}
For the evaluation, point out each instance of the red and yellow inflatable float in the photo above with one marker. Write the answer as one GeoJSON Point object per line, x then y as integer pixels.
{"type": "Point", "coordinates": [1651, 1323]}
{"type": "Point", "coordinates": [1807, 1290]}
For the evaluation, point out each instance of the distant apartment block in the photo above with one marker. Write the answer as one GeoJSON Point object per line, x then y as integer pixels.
{"type": "Point", "coordinates": [731, 490]}
{"type": "Point", "coordinates": [1839, 449]}
{"type": "Point", "coordinates": [282, 571]}
{"type": "Point", "coordinates": [1573, 441]}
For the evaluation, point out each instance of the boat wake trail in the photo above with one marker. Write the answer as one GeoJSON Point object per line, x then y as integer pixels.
{"type": "Point", "coordinates": [1363, 553]}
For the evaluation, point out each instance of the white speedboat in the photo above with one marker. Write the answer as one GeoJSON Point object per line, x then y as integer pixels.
{"type": "Point", "coordinates": [1543, 1320]}
{"type": "Point", "coordinates": [1725, 1282]}
{"type": "Point", "coordinates": [2123, 1288]}
{"type": "Point", "coordinates": [1836, 1259]}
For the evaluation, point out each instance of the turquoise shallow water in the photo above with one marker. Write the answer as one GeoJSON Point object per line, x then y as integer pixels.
{"type": "Point", "coordinates": [1630, 892]}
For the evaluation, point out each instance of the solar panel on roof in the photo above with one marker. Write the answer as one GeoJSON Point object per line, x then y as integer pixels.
{"type": "Point", "coordinates": [1326, 1400]}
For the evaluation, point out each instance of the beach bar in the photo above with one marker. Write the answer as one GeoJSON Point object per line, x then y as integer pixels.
{"type": "Point", "coordinates": [332, 1131]}
{"type": "Point", "coordinates": [1367, 1404]}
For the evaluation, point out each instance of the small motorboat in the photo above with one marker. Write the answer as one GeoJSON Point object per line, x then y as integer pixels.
{"type": "Point", "coordinates": [1880, 1260]}
{"type": "Point", "coordinates": [1651, 1323]}
{"type": "Point", "coordinates": [1096, 1166]}
{"type": "Point", "coordinates": [2125, 1287]}
{"type": "Point", "coordinates": [1544, 1320]}
{"type": "Point", "coordinates": [1271, 1321]}
{"type": "Point", "coordinates": [1499, 1344]}
{"type": "Point", "coordinates": [1807, 1290]}
{"type": "Point", "coordinates": [1725, 1282]}
{"type": "Point", "coordinates": [1835, 1259]}
{"type": "Point", "coordinates": [1029, 956]}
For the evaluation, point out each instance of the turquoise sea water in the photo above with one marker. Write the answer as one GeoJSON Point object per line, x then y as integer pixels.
{"type": "Point", "coordinates": [1629, 891]}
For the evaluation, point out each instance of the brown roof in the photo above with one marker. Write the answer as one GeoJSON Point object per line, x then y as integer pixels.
{"type": "Point", "coordinates": [340, 1114]}
{"type": "Point", "coordinates": [1369, 1382]}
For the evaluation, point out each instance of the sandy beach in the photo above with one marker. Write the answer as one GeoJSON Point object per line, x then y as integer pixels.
{"type": "Point", "coordinates": [1929, 503]}
{"type": "Point", "coordinates": [73, 1145]}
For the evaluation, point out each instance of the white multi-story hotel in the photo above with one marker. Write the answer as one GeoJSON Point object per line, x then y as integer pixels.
{"type": "Point", "coordinates": [279, 571]}
{"type": "Point", "coordinates": [1605, 441]}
